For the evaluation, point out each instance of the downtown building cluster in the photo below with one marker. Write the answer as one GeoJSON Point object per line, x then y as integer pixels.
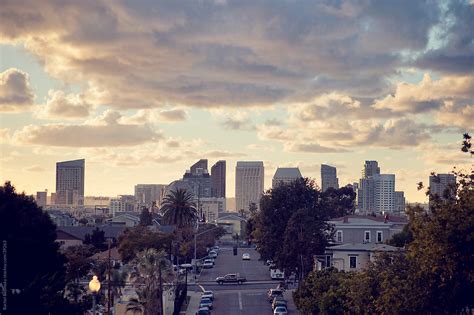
{"type": "Point", "coordinates": [376, 193]}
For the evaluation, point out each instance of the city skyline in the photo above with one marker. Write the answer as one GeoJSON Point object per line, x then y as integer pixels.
{"type": "Point", "coordinates": [157, 87]}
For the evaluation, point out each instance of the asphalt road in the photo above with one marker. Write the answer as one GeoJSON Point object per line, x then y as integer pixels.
{"type": "Point", "coordinates": [248, 298]}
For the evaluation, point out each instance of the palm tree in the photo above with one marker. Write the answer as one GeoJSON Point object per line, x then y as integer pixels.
{"type": "Point", "coordinates": [179, 209]}
{"type": "Point", "coordinates": [147, 268]}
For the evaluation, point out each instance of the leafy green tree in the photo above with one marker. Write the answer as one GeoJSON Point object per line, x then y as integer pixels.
{"type": "Point", "coordinates": [305, 236]}
{"type": "Point", "coordinates": [338, 202]}
{"type": "Point", "coordinates": [35, 267]}
{"type": "Point", "coordinates": [96, 239]}
{"type": "Point", "coordinates": [403, 238]}
{"type": "Point", "coordinates": [324, 292]}
{"type": "Point", "coordinates": [141, 238]}
{"type": "Point", "coordinates": [276, 208]}
{"type": "Point", "coordinates": [179, 209]}
{"type": "Point", "coordinates": [146, 218]}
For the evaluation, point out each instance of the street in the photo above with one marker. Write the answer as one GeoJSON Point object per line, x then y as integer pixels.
{"type": "Point", "coordinates": [248, 298]}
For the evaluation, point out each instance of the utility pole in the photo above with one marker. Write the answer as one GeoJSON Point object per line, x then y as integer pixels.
{"type": "Point", "coordinates": [108, 287]}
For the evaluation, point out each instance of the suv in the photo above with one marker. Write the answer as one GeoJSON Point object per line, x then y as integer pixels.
{"type": "Point", "coordinates": [231, 278]}
{"type": "Point", "coordinates": [272, 293]}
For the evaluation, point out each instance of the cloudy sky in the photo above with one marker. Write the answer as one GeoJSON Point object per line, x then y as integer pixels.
{"type": "Point", "coordinates": [142, 89]}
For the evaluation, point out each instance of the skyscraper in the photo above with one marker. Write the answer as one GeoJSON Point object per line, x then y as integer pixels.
{"type": "Point", "coordinates": [384, 190]}
{"type": "Point", "coordinates": [329, 177]}
{"type": "Point", "coordinates": [285, 175]}
{"type": "Point", "coordinates": [146, 194]}
{"type": "Point", "coordinates": [41, 198]}
{"type": "Point", "coordinates": [218, 177]}
{"type": "Point", "coordinates": [439, 184]}
{"type": "Point", "coordinates": [371, 168]}
{"type": "Point", "coordinates": [399, 201]}
{"type": "Point", "coordinates": [199, 175]}
{"type": "Point", "coordinates": [70, 182]}
{"type": "Point", "coordinates": [249, 180]}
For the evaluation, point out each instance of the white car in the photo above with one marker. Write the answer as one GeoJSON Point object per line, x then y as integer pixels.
{"type": "Point", "coordinates": [207, 265]}
{"type": "Point", "coordinates": [208, 294]}
{"type": "Point", "coordinates": [246, 256]}
{"type": "Point", "coordinates": [280, 310]}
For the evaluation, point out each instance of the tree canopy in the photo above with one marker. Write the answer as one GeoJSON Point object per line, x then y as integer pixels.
{"type": "Point", "coordinates": [178, 208]}
{"type": "Point", "coordinates": [291, 227]}
{"type": "Point", "coordinates": [35, 267]}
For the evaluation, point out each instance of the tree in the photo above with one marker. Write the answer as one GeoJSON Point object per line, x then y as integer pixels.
{"type": "Point", "coordinates": [146, 218]}
{"type": "Point", "coordinates": [179, 209]}
{"type": "Point", "coordinates": [402, 238]}
{"type": "Point", "coordinates": [96, 239]}
{"type": "Point", "coordinates": [35, 266]}
{"type": "Point", "coordinates": [140, 238]}
{"type": "Point", "coordinates": [149, 269]}
{"type": "Point", "coordinates": [339, 202]}
{"type": "Point", "coordinates": [306, 235]}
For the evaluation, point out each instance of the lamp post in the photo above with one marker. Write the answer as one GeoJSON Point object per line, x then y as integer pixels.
{"type": "Point", "coordinates": [94, 286]}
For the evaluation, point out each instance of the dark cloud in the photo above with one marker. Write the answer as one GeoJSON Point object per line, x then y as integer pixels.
{"type": "Point", "coordinates": [235, 53]}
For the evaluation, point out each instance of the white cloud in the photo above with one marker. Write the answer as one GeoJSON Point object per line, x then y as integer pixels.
{"type": "Point", "coordinates": [15, 91]}
{"type": "Point", "coordinates": [60, 105]}
{"type": "Point", "coordinates": [103, 131]}
{"type": "Point", "coordinates": [427, 94]}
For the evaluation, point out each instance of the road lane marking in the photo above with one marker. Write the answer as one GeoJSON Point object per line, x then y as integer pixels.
{"type": "Point", "coordinates": [240, 300]}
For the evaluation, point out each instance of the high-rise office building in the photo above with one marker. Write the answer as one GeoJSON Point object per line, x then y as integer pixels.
{"type": "Point", "coordinates": [439, 184]}
{"type": "Point", "coordinates": [199, 175]}
{"type": "Point", "coordinates": [70, 182]}
{"type": "Point", "coordinates": [41, 198]}
{"type": "Point", "coordinates": [329, 177]}
{"type": "Point", "coordinates": [146, 194]}
{"type": "Point", "coordinates": [384, 190]}
{"type": "Point", "coordinates": [285, 175]}
{"type": "Point", "coordinates": [399, 203]}
{"type": "Point", "coordinates": [123, 203]}
{"type": "Point", "coordinates": [211, 207]}
{"type": "Point", "coordinates": [218, 177]}
{"type": "Point", "coordinates": [376, 192]}
{"type": "Point", "coordinates": [371, 168]}
{"type": "Point", "coordinates": [249, 181]}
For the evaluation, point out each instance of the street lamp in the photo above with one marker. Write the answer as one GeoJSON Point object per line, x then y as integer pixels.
{"type": "Point", "coordinates": [94, 286]}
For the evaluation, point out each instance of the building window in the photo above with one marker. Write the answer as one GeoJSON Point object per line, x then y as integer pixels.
{"type": "Point", "coordinates": [352, 262]}
{"type": "Point", "coordinates": [328, 261]}
{"type": "Point", "coordinates": [366, 236]}
{"type": "Point", "coordinates": [339, 237]}
{"type": "Point", "coordinates": [379, 236]}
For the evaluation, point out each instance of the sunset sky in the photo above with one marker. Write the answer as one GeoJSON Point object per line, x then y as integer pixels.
{"type": "Point", "coordinates": [143, 89]}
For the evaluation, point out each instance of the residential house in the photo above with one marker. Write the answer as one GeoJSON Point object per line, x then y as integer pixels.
{"type": "Point", "coordinates": [353, 257]}
{"type": "Point", "coordinates": [75, 235]}
{"type": "Point", "coordinates": [233, 223]}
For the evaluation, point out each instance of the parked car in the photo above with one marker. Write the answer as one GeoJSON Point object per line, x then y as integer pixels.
{"type": "Point", "coordinates": [245, 256]}
{"type": "Point", "coordinates": [231, 278]}
{"type": "Point", "coordinates": [280, 310]}
{"type": "Point", "coordinates": [206, 302]}
{"type": "Point", "coordinates": [207, 265]}
{"type": "Point", "coordinates": [272, 293]}
{"type": "Point", "coordinates": [213, 260]}
{"type": "Point", "coordinates": [213, 254]}
{"type": "Point", "coordinates": [278, 301]}
{"type": "Point", "coordinates": [203, 311]}
{"type": "Point", "coordinates": [208, 294]}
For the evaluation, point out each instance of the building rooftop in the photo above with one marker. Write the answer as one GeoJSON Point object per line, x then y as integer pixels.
{"type": "Point", "coordinates": [287, 172]}
{"type": "Point", "coordinates": [364, 247]}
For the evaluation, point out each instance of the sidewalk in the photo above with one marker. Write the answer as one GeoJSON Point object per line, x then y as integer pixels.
{"type": "Point", "coordinates": [288, 295]}
{"type": "Point", "coordinates": [195, 298]}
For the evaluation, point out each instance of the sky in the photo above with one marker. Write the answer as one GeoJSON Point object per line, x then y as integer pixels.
{"type": "Point", "coordinates": [143, 89]}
